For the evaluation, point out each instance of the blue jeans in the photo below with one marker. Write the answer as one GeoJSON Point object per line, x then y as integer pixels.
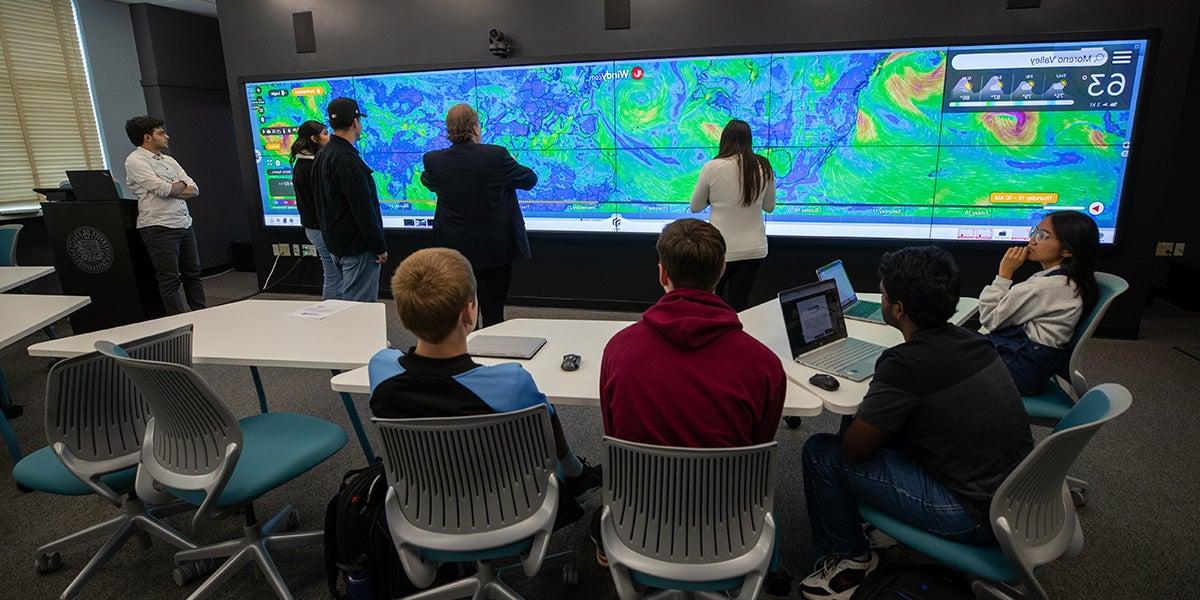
{"type": "Point", "coordinates": [331, 287]}
{"type": "Point", "coordinates": [360, 277]}
{"type": "Point", "coordinates": [888, 482]}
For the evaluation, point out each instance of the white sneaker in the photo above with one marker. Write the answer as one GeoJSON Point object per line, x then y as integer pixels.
{"type": "Point", "coordinates": [837, 579]}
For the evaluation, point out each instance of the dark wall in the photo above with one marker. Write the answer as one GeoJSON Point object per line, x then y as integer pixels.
{"type": "Point", "coordinates": [183, 77]}
{"type": "Point", "coordinates": [374, 34]}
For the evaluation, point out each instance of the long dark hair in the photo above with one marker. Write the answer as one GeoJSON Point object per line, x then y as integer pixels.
{"type": "Point", "coordinates": [304, 139]}
{"type": "Point", "coordinates": [1077, 233]}
{"type": "Point", "coordinates": [756, 171]}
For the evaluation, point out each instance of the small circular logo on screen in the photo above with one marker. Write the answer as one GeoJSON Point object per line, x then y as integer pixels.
{"type": "Point", "coordinates": [1096, 208]}
{"type": "Point", "coordinates": [638, 73]}
{"type": "Point", "coordinates": [89, 250]}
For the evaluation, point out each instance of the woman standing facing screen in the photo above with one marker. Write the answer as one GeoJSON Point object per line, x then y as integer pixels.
{"type": "Point", "coordinates": [310, 137]}
{"type": "Point", "coordinates": [740, 186]}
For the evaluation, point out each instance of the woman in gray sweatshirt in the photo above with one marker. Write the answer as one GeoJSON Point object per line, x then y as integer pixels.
{"type": "Point", "coordinates": [1032, 323]}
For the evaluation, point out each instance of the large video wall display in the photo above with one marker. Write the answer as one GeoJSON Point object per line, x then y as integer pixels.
{"type": "Point", "coordinates": [947, 142]}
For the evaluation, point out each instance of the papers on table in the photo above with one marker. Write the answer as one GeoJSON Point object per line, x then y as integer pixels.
{"type": "Point", "coordinates": [321, 310]}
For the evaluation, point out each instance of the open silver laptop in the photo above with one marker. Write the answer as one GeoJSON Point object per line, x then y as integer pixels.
{"type": "Point", "coordinates": [816, 330]}
{"type": "Point", "coordinates": [852, 307]}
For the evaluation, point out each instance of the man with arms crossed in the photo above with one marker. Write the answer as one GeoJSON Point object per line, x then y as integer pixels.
{"type": "Point", "coordinates": [941, 427]}
{"type": "Point", "coordinates": [348, 205]}
{"type": "Point", "coordinates": [477, 211]}
{"type": "Point", "coordinates": [163, 220]}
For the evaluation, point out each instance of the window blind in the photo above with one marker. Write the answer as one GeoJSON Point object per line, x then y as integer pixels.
{"type": "Point", "coordinates": [47, 120]}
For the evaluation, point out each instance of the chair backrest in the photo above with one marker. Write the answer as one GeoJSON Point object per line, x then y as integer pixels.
{"type": "Point", "coordinates": [8, 244]}
{"type": "Point", "coordinates": [469, 475]}
{"type": "Point", "coordinates": [1111, 286]}
{"type": "Point", "coordinates": [192, 441]}
{"type": "Point", "coordinates": [1033, 504]}
{"type": "Point", "coordinates": [95, 416]}
{"type": "Point", "coordinates": [689, 505]}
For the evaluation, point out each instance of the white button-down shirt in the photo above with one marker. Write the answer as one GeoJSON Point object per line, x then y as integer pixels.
{"type": "Point", "coordinates": [149, 176]}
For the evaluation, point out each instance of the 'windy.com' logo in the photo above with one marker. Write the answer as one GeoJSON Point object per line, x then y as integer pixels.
{"type": "Point", "coordinates": [634, 73]}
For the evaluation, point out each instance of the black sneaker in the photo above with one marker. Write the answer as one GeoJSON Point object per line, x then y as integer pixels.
{"type": "Point", "coordinates": [589, 479]}
{"type": "Point", "coordinates": [836, 579]}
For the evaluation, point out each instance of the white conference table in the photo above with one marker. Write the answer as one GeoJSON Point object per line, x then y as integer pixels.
{"type": "Point", "coordinates": [577, 388]}
{"type": "Point", "coordinates": [21, 315]}
{"type": "Point", "coordinates": [765, 322]}
{"type": "Point", "coordinates": [258, 333]}
{"type": "Point", "coordinates": [14, 277]}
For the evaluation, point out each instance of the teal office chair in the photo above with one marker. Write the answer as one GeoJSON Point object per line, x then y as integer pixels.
{"type": "Point", "coordinates": [1032, 514]}
{"type": "Point", "coordinates": [196, 450]}
{"type": "Point", "coordinates": [694, 523]}
{"type": "Point", "coordinates": [471, 489]}
{"type": "Point", "coordinates": [1049, 406]}
{"type": "Point", "coordinates": [1053, 403]}
{"type": "Point", "coordinates": [94, 424]}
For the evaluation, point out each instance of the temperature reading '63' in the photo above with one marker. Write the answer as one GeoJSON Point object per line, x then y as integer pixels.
{"type": "Point", "coordinates": [1101, 83]}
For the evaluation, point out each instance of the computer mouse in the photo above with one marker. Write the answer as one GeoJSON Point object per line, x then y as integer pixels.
{"type": "Point", "coordinates": [828, 383]}
{"type": "Point", "coordinates": [570, 362]}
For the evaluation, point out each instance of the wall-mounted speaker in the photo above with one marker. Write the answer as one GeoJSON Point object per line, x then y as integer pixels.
{"type": "Point", "coordinates": [1024, 4]}
{"type": "Point", "coordinates": [306, 39]}
{"type": "Point", "coordinates": [616, 14]}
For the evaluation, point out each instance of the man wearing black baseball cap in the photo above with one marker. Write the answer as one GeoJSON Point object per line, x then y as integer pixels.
{"type": "Point", "coordinates": [348, 205]}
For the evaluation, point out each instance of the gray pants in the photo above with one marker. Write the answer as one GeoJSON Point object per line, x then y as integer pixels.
{"type": "Point", "coordinates": [176, 260]}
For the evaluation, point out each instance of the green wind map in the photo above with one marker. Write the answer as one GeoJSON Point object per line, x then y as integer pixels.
{"type": "Point", "coordinates": [868, 137]}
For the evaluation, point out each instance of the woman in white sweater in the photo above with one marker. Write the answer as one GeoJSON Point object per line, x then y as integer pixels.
{"type": "Point", "coordinates": [1031, 323]}
{"type": "Point", "coordinates": [739, 185]}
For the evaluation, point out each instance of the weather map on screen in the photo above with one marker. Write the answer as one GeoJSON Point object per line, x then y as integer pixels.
{"type": "Point", "coordinates": [946, 142]}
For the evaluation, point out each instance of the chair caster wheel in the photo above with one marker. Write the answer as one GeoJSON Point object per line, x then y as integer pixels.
{"type": "Point", "coordinates": [189, 571]}
{"type": "Point", "coordinates": [792, 422]}
{"type": "Point", "coordinates": [48, 563]}
{"type": "Point", "coordinates": [23, 489]}
{"type": "Point", "coordinates": [291, 522]}
{"type": "Point", "coordinates": [570, 574]}
{"type": "Point", "coordinates": [1078, 497]}
{"type": "Point", "coordinates": [13, 411]}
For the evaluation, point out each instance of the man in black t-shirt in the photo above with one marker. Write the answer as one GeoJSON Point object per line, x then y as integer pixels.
{"type": "Point", "coordinates": [941, 427]}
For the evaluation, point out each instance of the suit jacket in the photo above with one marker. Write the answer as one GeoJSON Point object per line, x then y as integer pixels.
{"type": "Point", "coordinates": [477, 212]}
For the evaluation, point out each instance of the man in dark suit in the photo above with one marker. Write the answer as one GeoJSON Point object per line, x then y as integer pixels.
{"type": "Point", "coordinates": [477, 212]}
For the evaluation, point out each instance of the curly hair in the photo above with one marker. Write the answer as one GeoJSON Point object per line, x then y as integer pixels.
{"type": "Point", "coordinates": [461, 123]}
{"type": "Point", "coordinates": [138, 128]}
{"type": "Point", "coordinates": [925, 280]}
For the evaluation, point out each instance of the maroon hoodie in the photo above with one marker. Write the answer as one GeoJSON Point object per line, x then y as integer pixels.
{"type": "Point", "coordinates": [687, 375]}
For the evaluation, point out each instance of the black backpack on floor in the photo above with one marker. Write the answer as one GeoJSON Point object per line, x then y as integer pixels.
{"type": "Point", "coordinates": [910, 582]}
{"type": "Point", "coordinates": [358, 544]}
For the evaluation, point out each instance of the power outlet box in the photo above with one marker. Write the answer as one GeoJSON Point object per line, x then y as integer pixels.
{"type": "Point", "coordinates": [1165, 249]}
{"type": "Point", "coordinates": [1179, 248]}
{"type": "Point", "coordinates": [281, 249]}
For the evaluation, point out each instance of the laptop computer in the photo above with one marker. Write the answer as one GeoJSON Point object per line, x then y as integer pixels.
{"type": "Point", "coordinates": [93, 185]}
{"type": "Point", "coordinates": [852, 307]}
{"type": "Point", "coordinates": [504, 346]}
{"type": "Point", "coordinates": [816, 331]}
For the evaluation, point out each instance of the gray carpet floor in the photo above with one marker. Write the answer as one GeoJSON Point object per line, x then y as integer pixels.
{"type": "Point", "coordinates": [1140, 521]}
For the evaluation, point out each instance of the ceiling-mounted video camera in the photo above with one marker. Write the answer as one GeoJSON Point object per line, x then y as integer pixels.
{"type": "Point", "coordinates": [499, 44]}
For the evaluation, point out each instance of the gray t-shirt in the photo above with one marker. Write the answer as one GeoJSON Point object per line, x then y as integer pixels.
{"type": "Point", "coordinates": [947, 397]}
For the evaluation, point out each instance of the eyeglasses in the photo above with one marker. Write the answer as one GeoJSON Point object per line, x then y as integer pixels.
{"type": "Point", "coordinates": [1038, 235]}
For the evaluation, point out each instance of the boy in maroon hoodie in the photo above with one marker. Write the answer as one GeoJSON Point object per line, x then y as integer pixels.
{"type": "Point", "coordinates": [686, 374]}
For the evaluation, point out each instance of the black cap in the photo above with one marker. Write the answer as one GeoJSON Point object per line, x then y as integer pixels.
{"type": "Point", "coordinates": [343, 108]}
